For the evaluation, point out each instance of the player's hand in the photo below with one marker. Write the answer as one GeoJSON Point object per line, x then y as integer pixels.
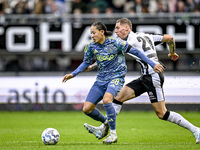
{"type": "Point", "coordinates": [173, 57]}
{"type": "Point", "coordinates": [67, 77]}
{"type": "Point", "coordinates": [158, 68]}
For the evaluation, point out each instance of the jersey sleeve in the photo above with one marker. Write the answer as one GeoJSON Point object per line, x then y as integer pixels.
{"type": "Point", "coordinates": [139, 54]}
{"type": "Point", "coordinates": [88, 58]}
{"type": "Point", "coordinates": [80, 68]}
{"type": "Point", "coordinates": [157, 39]}
{"type": "Point", "coordinates": [88, 54]}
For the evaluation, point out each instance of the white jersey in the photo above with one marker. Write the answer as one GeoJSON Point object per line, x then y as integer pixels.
{"type": "Point", "coordinates": [146, 44]}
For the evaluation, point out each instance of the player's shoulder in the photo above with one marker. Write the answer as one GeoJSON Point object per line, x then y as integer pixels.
{"type": "Point", "coordinates": [115, 40]}
{"type": "Point", "coordinates": [147, 34]}
{"type": "Point", "coordinates": [150, 36]}
{"type": "Point", "coordinates": [89, 45]}
{"type": "Point", "coordinates": [91, 42]}
{"type": "Point", "coordinates": [111, 38]}
{"type": "Point", "coordinates": [143, 34]}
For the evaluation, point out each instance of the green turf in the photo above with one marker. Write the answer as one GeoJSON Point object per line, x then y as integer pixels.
{"type": "Point", "coordinates": [136, 131]}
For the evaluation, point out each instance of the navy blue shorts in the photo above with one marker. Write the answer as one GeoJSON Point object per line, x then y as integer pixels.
{"type": "Point", "coordinates": [98, 89]}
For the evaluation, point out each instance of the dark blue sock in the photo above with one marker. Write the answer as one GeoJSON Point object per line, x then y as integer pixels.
{"type": "Point", "coordinates": [96, 115]}
{"type": "Point", "coordinates": [111, 115]}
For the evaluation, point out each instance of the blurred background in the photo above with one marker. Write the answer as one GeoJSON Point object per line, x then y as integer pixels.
{"type": "Point", "coordinates": [46, 38]}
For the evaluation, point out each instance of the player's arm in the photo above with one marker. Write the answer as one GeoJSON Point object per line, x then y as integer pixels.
{"type": "Point", "coordinates": [91, 67]}
{"type": "Point", "coordinates": [170, 42]}
{"type": "Point", "coordinates": [80, 68]}
{"type": "Point", "coordinates": [157, 67]}
{"type": "Point", "coordinates": [88, 57]}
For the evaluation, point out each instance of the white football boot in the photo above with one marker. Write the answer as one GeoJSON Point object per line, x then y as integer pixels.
{"type": "Point", "coordinates": [197, 135]}
{"type": "Point", "coordinates": [112, 138]}
{"type": "Point", "coordinates": [99, 132]}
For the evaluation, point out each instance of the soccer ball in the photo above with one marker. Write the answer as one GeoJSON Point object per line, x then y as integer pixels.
{"type": "Point", "coordinates": [50, 136]}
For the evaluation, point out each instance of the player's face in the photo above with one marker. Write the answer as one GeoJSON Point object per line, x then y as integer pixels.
{"type": "Point", "coordinates": [97, 35]}
{"type": "Point", "coordinates": [121, 30]}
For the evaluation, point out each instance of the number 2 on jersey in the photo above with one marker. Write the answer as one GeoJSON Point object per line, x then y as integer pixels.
{"type": "Point", "coordinates": [144, 43]}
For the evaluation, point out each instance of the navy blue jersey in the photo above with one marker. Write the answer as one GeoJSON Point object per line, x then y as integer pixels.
{"type": "Point", "coordinates": [109, 57]}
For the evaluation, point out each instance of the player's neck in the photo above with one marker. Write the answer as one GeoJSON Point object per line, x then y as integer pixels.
{"type": "Point", "coordinates": [102, 40]}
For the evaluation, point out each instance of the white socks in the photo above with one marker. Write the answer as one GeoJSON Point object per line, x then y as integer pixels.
{"type": "Point", "coordinates": [179, 120]}
{"type": "Point", "coordinates": [103, 124]}
{"type": "Point", "coordinates": [113, 131]}
{"type": "Point", "coordinates": [117, 108]}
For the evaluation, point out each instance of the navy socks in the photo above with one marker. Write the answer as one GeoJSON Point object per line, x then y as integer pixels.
{"type": "Point", "coordinates": [96, 115]}
{"type": "Point", "coordinates": [111, 115]}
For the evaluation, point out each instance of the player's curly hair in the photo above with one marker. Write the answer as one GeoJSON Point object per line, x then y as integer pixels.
{"type": "Point", "coordinates": [101, 26]}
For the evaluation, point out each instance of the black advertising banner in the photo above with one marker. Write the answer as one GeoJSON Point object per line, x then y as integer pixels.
{"type": "Point", "coordinates": [67, 37]}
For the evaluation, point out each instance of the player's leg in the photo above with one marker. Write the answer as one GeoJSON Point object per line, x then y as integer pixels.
{"type": "Point", "coordinates": [129, 91]}
{"type": "Point", "coordinates": [90, 110]}
{"type": "Point", "coordinates": [94, 96]}
{"type": "Point", "coordinates": [111, 117]}
{"type": "Point", "coordinates": [176, 118]}
{"type": "Point", "coordinates": [160, 108]}
{"type": "Point", "coordinates": [89, 107]}
{"type": "Point", "coordinates": [125, 94]}
{"type": "Point", "coordinates": [99, 132]}
{"type": "Point", "coordinates": [156, 96]}
{"type": "Point", "coordinates": [113, 89]}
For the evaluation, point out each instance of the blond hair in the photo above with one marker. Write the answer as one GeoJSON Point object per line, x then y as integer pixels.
{"type": "Point", "coordinates": [125, 21]}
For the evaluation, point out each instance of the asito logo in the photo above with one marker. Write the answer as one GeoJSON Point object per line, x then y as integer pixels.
{"type": "Point", "coordinates": [37, 100]}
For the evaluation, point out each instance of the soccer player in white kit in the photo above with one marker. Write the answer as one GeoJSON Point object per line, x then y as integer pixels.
{"type": "Point", "coordinates": [149, 81]}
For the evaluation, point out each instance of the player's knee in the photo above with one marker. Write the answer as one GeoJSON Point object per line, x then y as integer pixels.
{"type": "Point", "coordinates": [107, 100]}
{"type": "Point", "coordinates": [86, 109]}
{"type": "Point", "coordinates": [126, 94]}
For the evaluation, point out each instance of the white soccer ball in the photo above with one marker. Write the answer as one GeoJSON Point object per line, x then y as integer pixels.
{"type": "Point", "coordinates": [50, 136]}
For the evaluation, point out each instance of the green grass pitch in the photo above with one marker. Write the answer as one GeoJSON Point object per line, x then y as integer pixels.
{"type": "Point", "coordinates": [136, 131]}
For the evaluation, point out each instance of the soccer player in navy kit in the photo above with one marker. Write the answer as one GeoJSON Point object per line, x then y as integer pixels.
{"type": "Point", "coordinates": [150, 81]}
{"type": "Point", "coordinates": [109, 55]}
